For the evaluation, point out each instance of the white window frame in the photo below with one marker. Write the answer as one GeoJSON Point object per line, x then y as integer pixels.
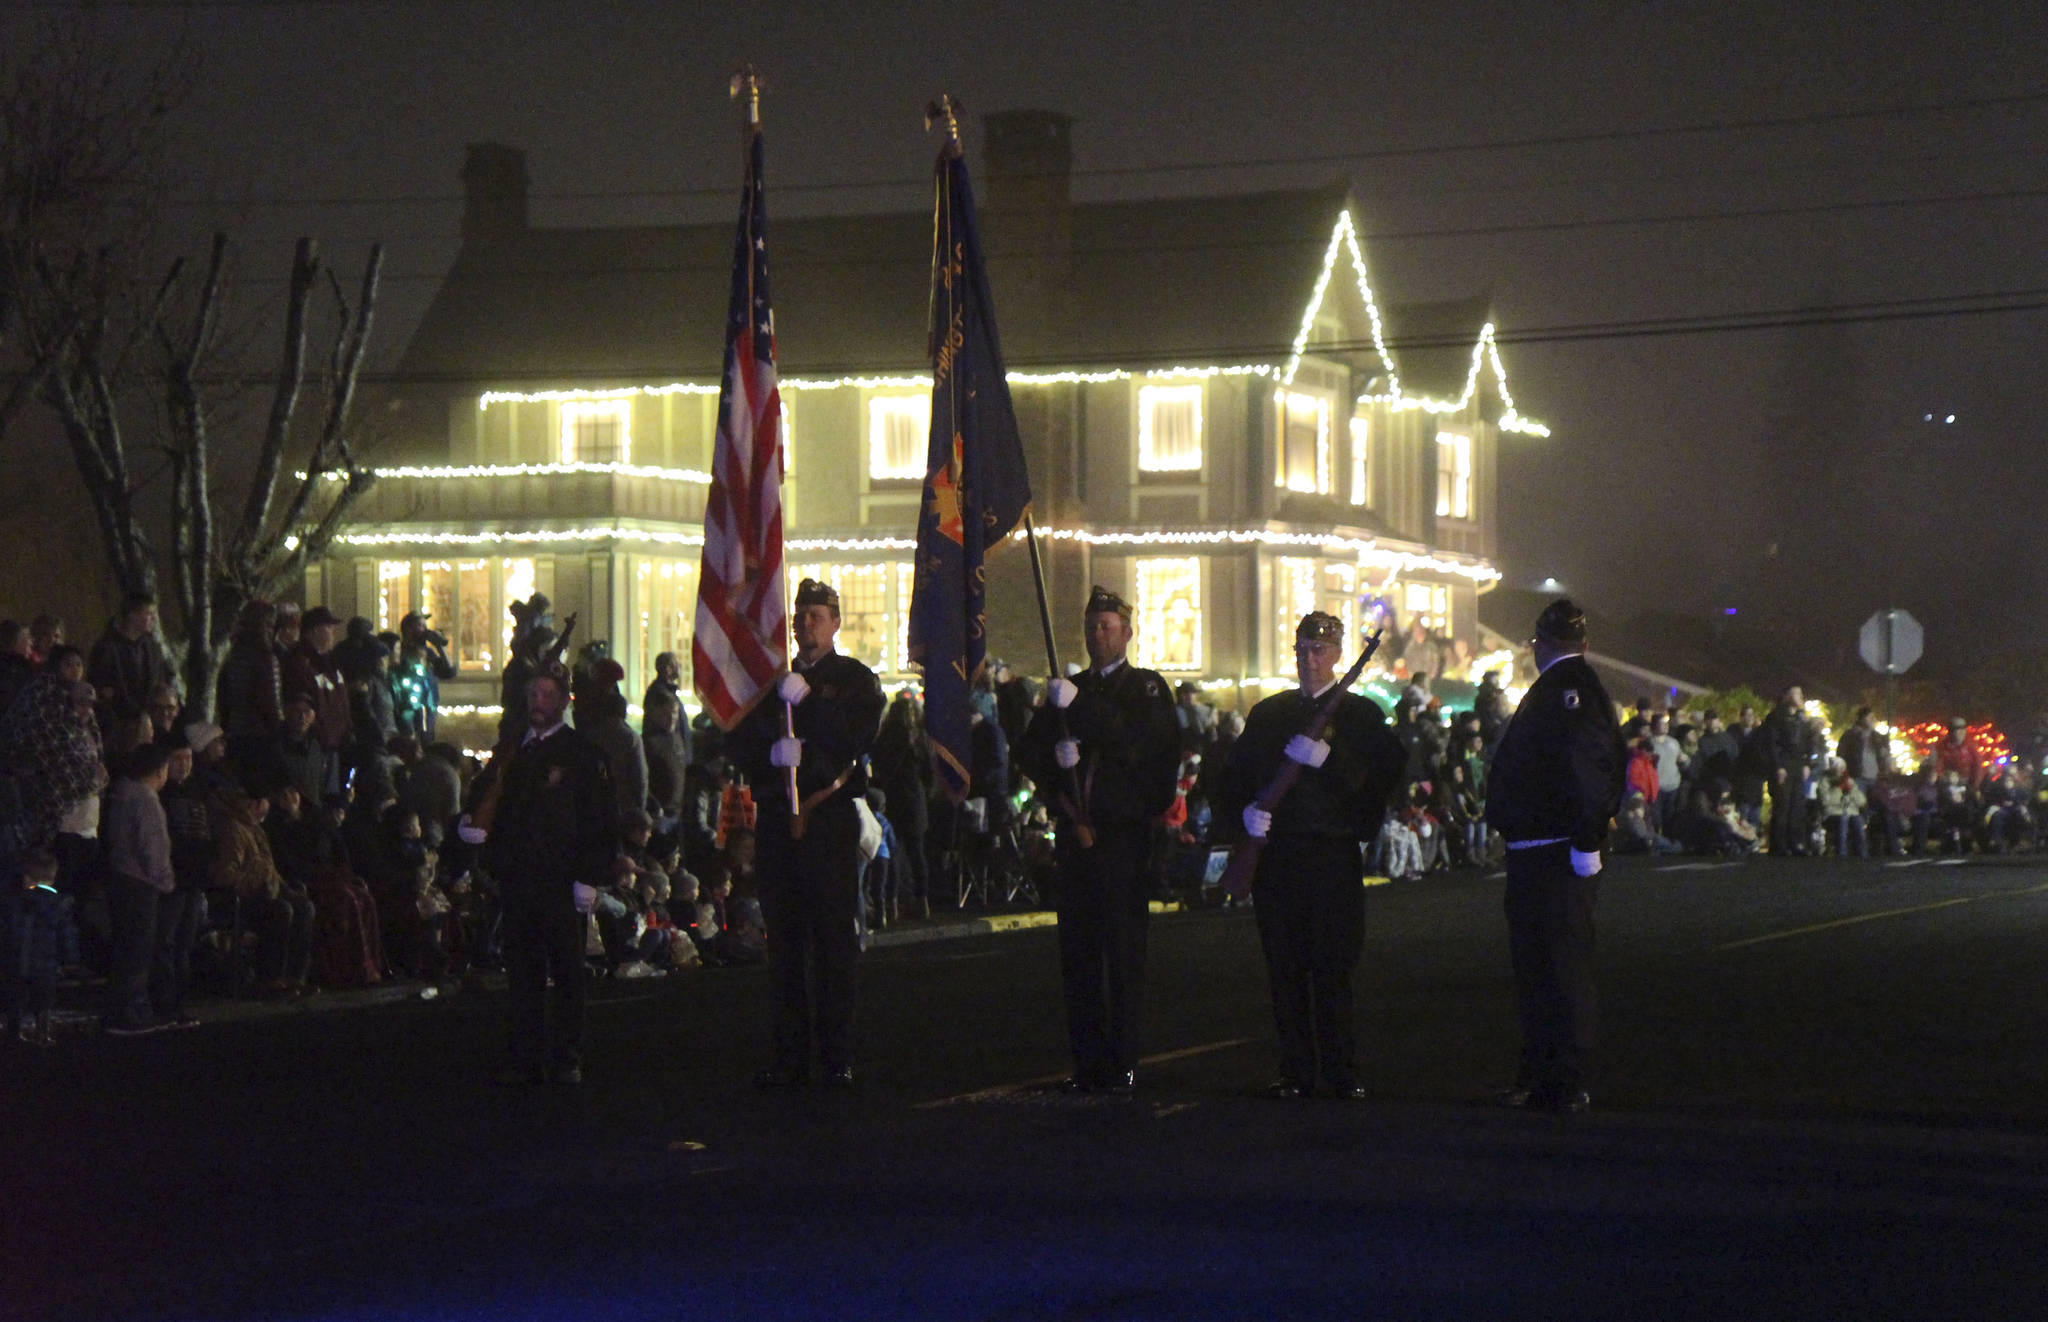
{"type": "Point", "coordinates": [1361, 460]}
{"type": "Point", "coordinates": [882, 408]}
{"type": "Point", "coordinates": [1150, 399]}
{"type": "Point", "coordinates": [1454, 482]}
{"type": "Point", "coordinates": [577, 411]}
{"type": "Point", "coordinates": [1283, 402]}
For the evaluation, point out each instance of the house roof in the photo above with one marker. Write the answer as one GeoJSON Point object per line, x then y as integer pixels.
{"type": "Point", "coordinates": [1153, 283]}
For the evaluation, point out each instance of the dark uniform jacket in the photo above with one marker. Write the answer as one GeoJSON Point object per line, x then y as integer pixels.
{"type": "Point", "coordinates": [1130, 745]}
{"type": "Point", "coordinates": [837, 723]}
{"type": "Point", "coordinates": [1345, 798]}
{"type": "Point", "coordinates": [1558, 771]}
{"type": "Point", "coordinates": [557, 821]}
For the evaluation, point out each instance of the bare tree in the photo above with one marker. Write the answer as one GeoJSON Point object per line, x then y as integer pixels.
{"type": "Point", "coordinates": [141, 375]}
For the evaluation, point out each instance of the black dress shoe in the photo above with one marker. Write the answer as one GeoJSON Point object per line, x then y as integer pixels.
{"type": "Point", "coordinates": [782, 1076]}
{"type": "Point", "coordinates": [1076, 1084]}
{"type": "Point", "coordinates": [1347, 1092]}
{"type": "Point", "coordinates": [568, 1075]}
{"type": "Point", "coordinates": [1121, 1081]}
{"type": "Point", "coordinates": [839, 1078]}
{"type": "Point", "coordinates": [1516, 1097]}
{"type": "Point", "coordinates": [1558, 1101]}
{"type": "Point", "coordinates": [1285, 1090]}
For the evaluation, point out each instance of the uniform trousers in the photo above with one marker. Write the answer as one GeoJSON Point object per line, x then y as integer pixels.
{"type": "Point", "coordinates": [1550, 941]}
{"type": "Point", "coordinates": [543, 936]}
{"type": "Point", "coordinates": [1309, 899]}
{"type": "Point", "coordinates": [1103, 904]}
{"type": "Point", "coordinates": [810, 900]}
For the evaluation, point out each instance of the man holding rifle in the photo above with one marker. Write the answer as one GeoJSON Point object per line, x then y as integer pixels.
{"type": "Point", "coordinates": [1105, 748]}
{"type": "Point", "coordinates": [1308, 892]}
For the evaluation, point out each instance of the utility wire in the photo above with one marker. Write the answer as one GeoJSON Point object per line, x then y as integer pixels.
{"type": "Point", "coordinates": [1703, 127]}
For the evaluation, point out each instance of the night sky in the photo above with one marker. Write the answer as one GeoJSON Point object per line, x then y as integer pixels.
{"type": "Point", "coordinates": [1782, 470]}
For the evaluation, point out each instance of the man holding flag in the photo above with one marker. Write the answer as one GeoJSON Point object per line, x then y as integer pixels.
{"type": "Point", "coordinates": [975, 488]}
{"type": "Point", "coordinates": [798, 735]}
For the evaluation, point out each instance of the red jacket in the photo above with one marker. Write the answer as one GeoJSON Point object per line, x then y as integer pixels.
{"type": "Point", "coordinates": [1958, 757]}
{"type": "Point", "coordinates": [1642, 774]}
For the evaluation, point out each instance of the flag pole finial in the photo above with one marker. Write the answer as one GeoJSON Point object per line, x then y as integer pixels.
{"type": "Point", "coordinates": [949, 109]}
{"type": "Point", "coordinates": [743, 80]}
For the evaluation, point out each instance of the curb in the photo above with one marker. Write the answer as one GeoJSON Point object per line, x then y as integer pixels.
{"type": "Point", "coordinates": [1010, 922]}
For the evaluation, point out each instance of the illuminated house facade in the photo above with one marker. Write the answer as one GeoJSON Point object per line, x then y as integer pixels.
{"type": "Point", "coordinates": [1222, 420]}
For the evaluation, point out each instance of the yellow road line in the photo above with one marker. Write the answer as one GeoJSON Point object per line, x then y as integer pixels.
{"type": "Point", "coordinates": [1001, 1089]}
{"type": "Point", "coordinates": [1873, 917]}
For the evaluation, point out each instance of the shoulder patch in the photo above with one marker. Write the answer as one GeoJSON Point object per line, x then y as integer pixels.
{"type": "Point", "coordinates": [1571, 699]}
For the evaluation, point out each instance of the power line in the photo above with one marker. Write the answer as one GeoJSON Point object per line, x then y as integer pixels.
{"type": "Point", "coordinates": [1699, 128]}
{"type": "Point", "coordinates": [456, 275]}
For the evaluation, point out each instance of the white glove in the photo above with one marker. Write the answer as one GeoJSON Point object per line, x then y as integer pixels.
{"type": "Point", "coordinates": [1309, 752]}
{"type": "Point", "coordinates": [786, 752]}
{"type": "Point", "coordinates": [1061, 693]}
{"type": "Point", "coordinates": [1257, 821]}
{"type": "Point", "coordinates": [1585, 864]}
{"type": "Point", "coordinates": [794, 688]}
{"type": "Point", "coordinates": [469, 835]}
{"type": "Point", "coordinates": [585, 896]}
{"type": "Point", "coordinates": [1067, 752]}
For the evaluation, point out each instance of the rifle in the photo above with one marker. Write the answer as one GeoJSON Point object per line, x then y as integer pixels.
{"type": "Point", "coordinates": [1244, 855]}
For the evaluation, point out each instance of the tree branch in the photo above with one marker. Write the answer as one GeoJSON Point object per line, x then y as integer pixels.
{"type": "Point", "coordinates": [284, 399]}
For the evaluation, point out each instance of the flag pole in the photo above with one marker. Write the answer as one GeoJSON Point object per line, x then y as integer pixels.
{"type": "Point", "coordinates": [947, 109]}
{"type": "Point", "coordinates": [745, 80]}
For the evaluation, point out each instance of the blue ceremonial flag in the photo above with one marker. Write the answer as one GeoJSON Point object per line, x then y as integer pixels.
{"type": "Point", "coordinates": [975, 486]}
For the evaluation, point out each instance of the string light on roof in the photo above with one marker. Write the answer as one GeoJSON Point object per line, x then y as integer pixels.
{"type": "Point", "coordinates": [878, 382]}
{"type": "Point", "coordinates": [421, 473]}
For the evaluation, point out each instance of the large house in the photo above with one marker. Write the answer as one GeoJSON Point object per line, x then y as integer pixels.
{"type": "Point", "coordinates": [1223, 420]}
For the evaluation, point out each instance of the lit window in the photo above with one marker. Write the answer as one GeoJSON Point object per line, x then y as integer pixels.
{"type": "Point", "coordinates": [1302, 436]}
{"type": "Point", "coordinates": [394, 592]}
{"type": "Point", "coordinates": [1453, 475]}
{"type": "Point", "coordinates": [1170, 429]}
{"type": "Point", "coordinates": [1294, 595]}
{"type": "Point", "coordinates": [899, 434]}
{"type": "Point", "coordinates": [665, 609]}
{"type": "Point", "coordinates": [788, 438]}
{"type": "Point", "coordinates": [471, 611]}
{"type": "Point", "coordinates": [1168, 613]}
{"type": "Point", "coordinates": [437, 592]}
{"type": "Point", "coordinates": [518, 586]}
{"type": "Point", "coordinates": [597, 431]}
{"type": "Point", "coordinates": [1361, 461]}
{"type": "Point", "coordinates": [1340, 597]}
{"type": "Point", "coordinates": [1428, 602]}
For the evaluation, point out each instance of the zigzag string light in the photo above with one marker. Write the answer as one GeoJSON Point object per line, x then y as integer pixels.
{"type": "Point", "coordinates": [1344, 238]}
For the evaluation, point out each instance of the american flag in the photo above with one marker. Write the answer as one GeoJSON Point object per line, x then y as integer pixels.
{"type": "Point", "coordinates": [742, 638]}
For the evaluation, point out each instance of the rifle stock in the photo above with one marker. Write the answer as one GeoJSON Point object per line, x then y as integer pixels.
{"type": "Point", "coordinates": [1244, 855]}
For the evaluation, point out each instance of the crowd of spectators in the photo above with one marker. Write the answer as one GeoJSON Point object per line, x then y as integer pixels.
{"type": "Point", "coordinates": [303, 834]}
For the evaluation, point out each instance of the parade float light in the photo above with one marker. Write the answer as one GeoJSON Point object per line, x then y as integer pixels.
{"type": "Point", "coordinates": [1987, 740]}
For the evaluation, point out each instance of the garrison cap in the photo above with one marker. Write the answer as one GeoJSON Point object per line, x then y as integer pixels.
{"type": "Point", "coordinates": [811, 592]}
{"type": "Point", "coordinates": [1319, 627]}
{"type": "Point", "coordinates": [1102, 599]}
{"type": "Point", "coordinates": [1562, 623]}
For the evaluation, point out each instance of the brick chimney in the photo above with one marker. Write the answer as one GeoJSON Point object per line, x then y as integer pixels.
{"type": "Point", "coordinates": [494, 186]}
{"type": "Point", "coordinates": [1027, 220]}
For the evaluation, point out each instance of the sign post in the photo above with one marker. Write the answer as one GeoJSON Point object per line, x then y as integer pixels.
{"type": "Point", "coordinates": [1890, 642]}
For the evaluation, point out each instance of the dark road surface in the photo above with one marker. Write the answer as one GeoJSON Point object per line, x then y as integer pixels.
{"type": "Point", "coordinates": [1822, 1093]}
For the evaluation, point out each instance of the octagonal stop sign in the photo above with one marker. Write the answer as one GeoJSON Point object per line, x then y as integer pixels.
{"type": "Point", "coordinates": [1890, 642]}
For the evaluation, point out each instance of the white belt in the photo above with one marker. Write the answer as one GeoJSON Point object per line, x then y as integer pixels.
{"type": "Point", "coordinates": [1537, 844]}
